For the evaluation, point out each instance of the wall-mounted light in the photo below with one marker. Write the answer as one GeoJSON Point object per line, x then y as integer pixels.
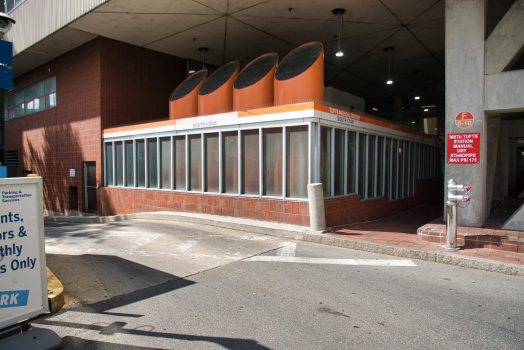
{"type": "Point", "coordinates": [340, 13]}
{"type": "Point", "coordinates": [389, 49]}
{"type": "Point", "coordinates": [417, 72]}
{"type": "Point", "coordinates": [203, 50]}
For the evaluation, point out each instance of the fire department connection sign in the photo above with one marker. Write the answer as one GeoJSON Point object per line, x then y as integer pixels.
{"type": "Point", "coordinates": [464, 148]}
{"type": "Point", "coordinates": [23, 278]}
{"type": "Point", "coordinates": [464, 120]}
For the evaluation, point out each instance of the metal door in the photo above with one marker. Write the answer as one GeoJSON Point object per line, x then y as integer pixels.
{"type": "Point", "coordinates": [90, 186]}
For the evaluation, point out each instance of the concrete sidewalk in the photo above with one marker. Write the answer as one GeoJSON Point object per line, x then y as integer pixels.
{"type": "Point", "coordinates": [396, 236]}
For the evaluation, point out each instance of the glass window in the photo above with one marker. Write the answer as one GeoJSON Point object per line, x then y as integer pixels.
{"type": "Point", "coordinates": [273, 162]}
{"type": "Point", "coordinates": [362, 176]}
{"type": "Point", "coordinates": [50, 100]}
{"type": "Point", "coordinates": [195, 163]}
{"type": "Point", "coordinates": [11, 113]}
{"type": "Point", "coordinates": [119, 164]}
{"type": "Point", "coordinates": [230, 161]}
{"type": "Point", "coordinates": [371, 165]}
{"type": "Point", "coordinates": [250, 162]}
{"type": "Point", "coordinates": [20, 97]}
{"type": "Point", "coordinates": [11, 100]}
{"type": "Point", "coordinates": [28, 94]}
{"type": "Point", "coordinates": [325, 160]}
{"type": "Point", "coordinates": [140, 163]}
{"type": "Point", "coordinates": [152, 163]}
{"type": "Point", "coordinates": [39, 104]}
{"type": "Point", "coordinates": [39, 89]}
{"type": "Point", "coordinates": [297, 161]}
{"type": "Point", "coordinates": [380, 167]}
{"type": "Point", "coordinates": [20, 110]}
{"type": "Point", "coordinates": [388, 169]}
{"type": "Point", "coordinates": [130, 179]}
{"type": "Point", "coordinates": [180, 162]}
{"type": "Point", "coordinates": [165, 163]}
{"type": "Point", "coordinates": [394, 169]}
{"type": "Point", "coordinates": [352, 161]}
{"type": "Point", "coordinates": [401, 151]}
{"type": "Point", "coordinates": [50, 85]}
{"type": "Point", "coordinates": [212, 162]}
{"type": "Point", "coordinates": [339, 159]}
{"type": "Point", "coordinates": [29, 107]}
{"type": "Point", "coordinates": [407, 172]}
{"type": "Point", "coordinates": [109, 164]}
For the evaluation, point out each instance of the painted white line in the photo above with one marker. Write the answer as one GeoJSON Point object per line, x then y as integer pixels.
{"type": "Point", "coordinates": [288, 250]}
{"type": "Point", "coordinates": [360, 262]}
{"type": "Point", "coordinates": [186, 246]}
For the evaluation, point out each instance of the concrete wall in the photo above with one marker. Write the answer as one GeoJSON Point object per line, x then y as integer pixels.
{"type": "Point", "coordinates": [344, 99]}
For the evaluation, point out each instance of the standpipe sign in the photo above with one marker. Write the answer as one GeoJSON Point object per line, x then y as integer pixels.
{"type": "Point", "coordinates": [463, 148]}
{"type": "Point", "coordinates": [464, 120]}
{"type": "Point", "coordinates": [23, 278]}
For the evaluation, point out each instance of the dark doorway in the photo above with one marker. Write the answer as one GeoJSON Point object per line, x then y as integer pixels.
{"type": "Point", "coordinates": [90, 187]}
{"type": "Point", "coordinates": [520, 170]}
{"type": "Point", "coordinates": [73, 198]}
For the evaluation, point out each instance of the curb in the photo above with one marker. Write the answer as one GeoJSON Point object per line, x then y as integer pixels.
{"type": "Point", "coordinates": [299, 233]}
{"type": "Point", "coordinates": [55, 292]}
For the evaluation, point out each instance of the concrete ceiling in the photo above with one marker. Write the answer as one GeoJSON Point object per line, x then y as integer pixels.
{"type": "Point", "coordinates": [244, 29]}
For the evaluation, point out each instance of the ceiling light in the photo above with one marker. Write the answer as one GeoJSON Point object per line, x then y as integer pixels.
{"type": "Point", "coordinates": [417, 97]}
{"type": "Point", "coordinates": [426, 110]}
{"type": "Point", "coordinates": [203, 50]}
{"type": "Point", "coordinates": [417, 71]}
{"type": "Point", "coordinates": [413, 122]}
{"type": "Point", "coordinates": [389, 49]}
{"type": "Point", "coordinates": [191, 71]}
{"type": "Point", "coordinates": [374, 108]}
{"type": "Point", "coordinates": [339, 12]}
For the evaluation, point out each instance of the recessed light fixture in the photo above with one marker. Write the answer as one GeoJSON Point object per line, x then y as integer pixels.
{"type": "Point", "coordinates": [417, 72]}
{"type": "Point", "coordinates": [413, 122]}
{"type": "Point", "coordinates": [339, 12]}
{"type": "Point", "coordinates": [191, 71]}
{"type": "Point", "coordinates": [374, 108]}
{"type": "Point", "coordinates": [389, 49]}
{"type": "Point", "coordinates": [426, 110]}
{"type": "Point", "coordinates": [417, 97]}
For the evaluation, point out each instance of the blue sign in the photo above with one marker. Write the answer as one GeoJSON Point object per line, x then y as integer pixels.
{"type": "Point", "coordinates": [6, 52]}
{"type": "Point", "coordinates": [13, 298]}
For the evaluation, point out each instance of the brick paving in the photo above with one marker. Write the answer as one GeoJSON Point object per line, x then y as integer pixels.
{"type": "Point", "coordinates": [489, 242]}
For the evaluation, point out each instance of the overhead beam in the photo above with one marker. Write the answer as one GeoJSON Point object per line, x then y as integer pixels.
{"type": "Point", "coordinates": [506, 43]}
{"type": "Point", "coordinates": [504, 92]}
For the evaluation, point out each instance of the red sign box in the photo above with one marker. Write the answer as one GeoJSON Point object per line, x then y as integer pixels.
{"type": "Point", "coordinates": [463, 148]}
{"type": "Point", "coordinates": [464, 120]}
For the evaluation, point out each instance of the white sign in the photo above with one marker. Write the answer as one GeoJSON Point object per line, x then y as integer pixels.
{"type": "Point", "coordinates": [72, 172]}
{"type": "Point", "coordinates": [23, 277]}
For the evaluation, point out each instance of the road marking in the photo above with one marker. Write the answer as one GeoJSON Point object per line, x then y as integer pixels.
{"type": "Point", "coordinates": [186, 246]}
{"type": "Point", "coordinates": [287, 250]}
{"type": "Point", "coordinates": [360, 262]}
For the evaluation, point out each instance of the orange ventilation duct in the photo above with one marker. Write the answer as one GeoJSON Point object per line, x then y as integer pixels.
{"type": "Point", "coordinates": [216, 94]}
{"type": "Point", "coordinates": [300, 75]}
{"type": "Point", "coordinates": [254, 86]}
{"type": "Point", "coordinates": [183, 102]}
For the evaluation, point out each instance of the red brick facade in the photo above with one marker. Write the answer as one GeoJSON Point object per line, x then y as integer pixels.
{"type": "Point", "coordinates": [99, 84]}
{"type": "Point", "coordinates": [339, 211]}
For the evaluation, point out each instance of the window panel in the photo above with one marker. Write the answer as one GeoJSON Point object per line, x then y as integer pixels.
{"type": "Point", "coordinates": [20, 97]}
{"type": "Point", "coordinates": [39, 104]}
{"type": "Point", "coordinates": [195, 163]}
{"type": "Point", "coordinates": [130, 179]}
{"type": "Point", "coordinates": [394, 169]}
{"type": "Point", "coordinates": [362, 163]}
{"type": "Point", "coordinates": [50, 100]}
{"type": "Point", "coordinates": [140, 163]}
{"type": "Point", "coordinates": [11, 101]}
{"type": "Point", "coordinates": [407, 172]}
{"type": "Point", "coordinates": [28, 94]}
{"type": "Point", "coordinates": [339, 159]}
{"type": "Point", "coordinates": [388, 169]}
{"type": "Point", "coordinates": [50, 85]}
{"type": "Point", "coordinates": [212, 162]}
{"type": "Point", "coordinates": [180, 162]}
{"type": "Point", "coordinates": [230, 161]}
{"type": "Point", "coordinates": [165, 163]}
{"type": "Point", "coordinates": [109, 164]}
{"type": "Point", "coordinates": [39, 89]}
{"type": "Point", "coordinates": [273, 162]}
{"type": "Point", "coordinates": [325, 159]}
{"type": "Point", "coordinates": [29, 107]}
{"type": "Point", "coordinates": [152, 163]}
{"type": "Point", "coordinates": [12, 113]}
{"type": "Point", "coordinates": [297, 161]}
{"type": "Point", "coordinates": [380, 167]}
{"type": "Point", "coordinates": [371, 165]}
{"type": "Point", "coordinates": [401, 151]}
{"type": "Point", "coordinates": [352, 162]}
{"type": "Point", "coordinates": [250, 162]}
{"type": "Point", "coordinates": [20, 110]}
{"type": "Point", "coordinates": [119, 165]}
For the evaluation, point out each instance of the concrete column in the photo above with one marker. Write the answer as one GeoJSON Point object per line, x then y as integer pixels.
{"type": "Point", "coordinates": [465, 25]}
{"type": "Point", "coordinates": [317, 213]}
{"type": "Point", "coordinates": [397, 109]}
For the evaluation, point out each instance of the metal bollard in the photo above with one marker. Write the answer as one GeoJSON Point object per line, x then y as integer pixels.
{"type": "Point", "coordinates": [451, 212]}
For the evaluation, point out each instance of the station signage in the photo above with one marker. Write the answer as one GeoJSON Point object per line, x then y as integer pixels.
{"type": "Point", "coordinates": [463, 148]}
{"type": "Point", "coordinates": [23, 277]}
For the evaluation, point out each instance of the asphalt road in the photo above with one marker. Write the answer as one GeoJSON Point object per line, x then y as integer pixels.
{"type": "Point", "coordinates": [199, 287]}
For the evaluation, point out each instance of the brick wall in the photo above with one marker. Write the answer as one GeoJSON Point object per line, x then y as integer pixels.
{"type": "Point", "coordinates": [99, 84]}
{"type": "Point", "coordinates": [339, 211]}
